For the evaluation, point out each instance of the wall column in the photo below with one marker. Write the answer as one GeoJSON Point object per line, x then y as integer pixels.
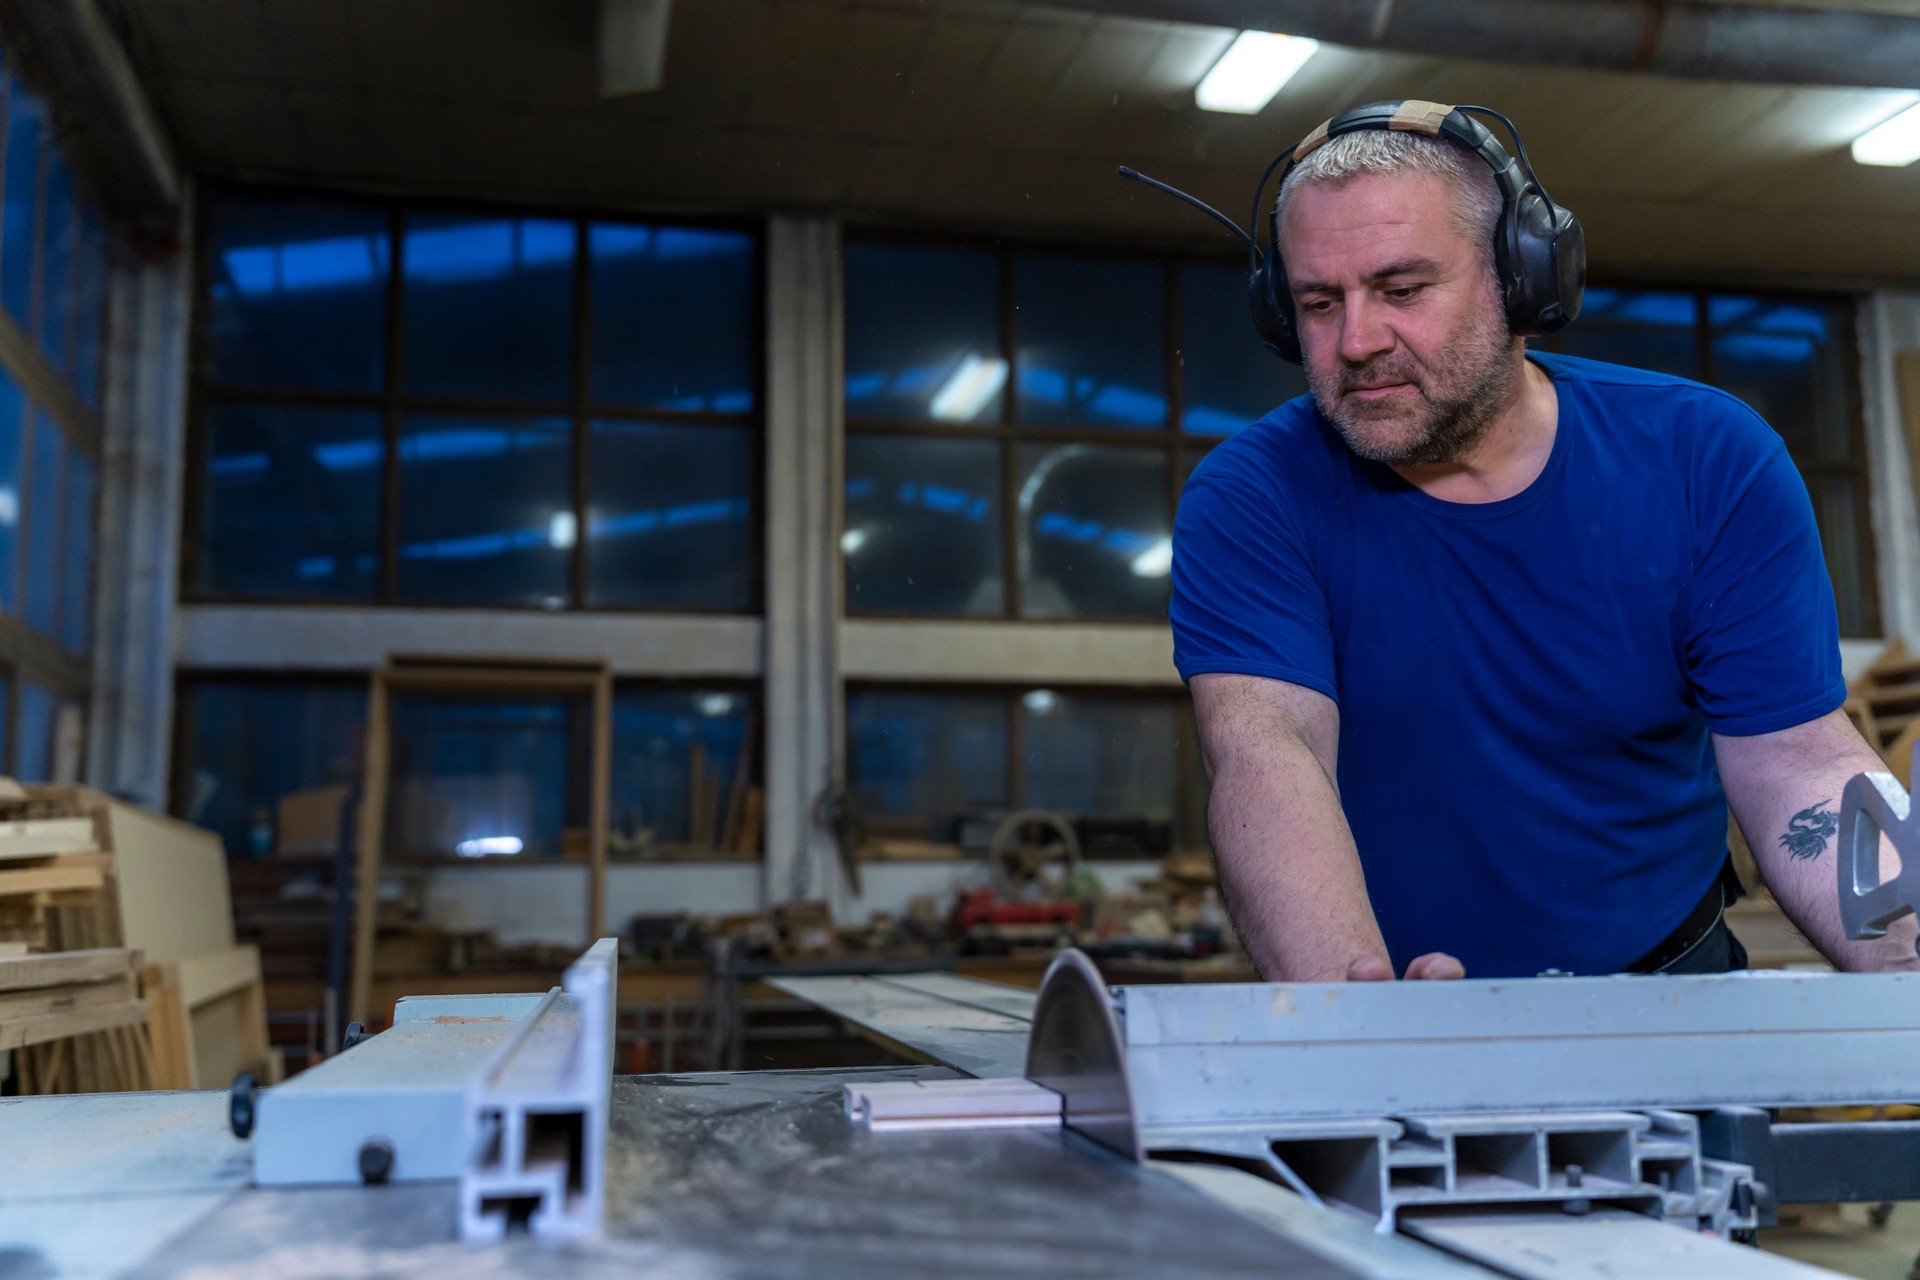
{"type": "Point", "coordinates": [138, 566]}
{"type": "Point", "coordinates": [804, 417]}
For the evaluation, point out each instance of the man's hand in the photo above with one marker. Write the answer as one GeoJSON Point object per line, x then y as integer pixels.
{"type": "Point", "coordinates": [1435, 965]}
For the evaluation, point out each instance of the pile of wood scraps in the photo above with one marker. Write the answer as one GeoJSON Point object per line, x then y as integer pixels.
{"type": "Point", "coordinates": [53, 875]}
{"type": "Point", "coordinates": [76, 1021]}
{"type": "Point", "coordinates": [1884, 704]}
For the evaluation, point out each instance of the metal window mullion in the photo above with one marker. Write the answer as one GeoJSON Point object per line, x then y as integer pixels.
{"type": "Point", "coordinates": [579, 577]}
{"type": "Point", "coordinates": [1011, 601]}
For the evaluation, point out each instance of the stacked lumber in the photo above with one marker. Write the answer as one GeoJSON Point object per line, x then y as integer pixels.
{"type": "Point", "coordinates": [75, 1021]}
{"type": "Point", "coordinates": [53, 875]}
{"type": "Point", "coordinates": [1884, 705]}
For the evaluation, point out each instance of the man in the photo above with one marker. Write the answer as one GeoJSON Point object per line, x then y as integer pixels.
{"type": "Point", "coordinates": [1476, 636]}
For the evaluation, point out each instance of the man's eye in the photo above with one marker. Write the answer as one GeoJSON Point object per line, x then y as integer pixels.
{"type": "Point", "coordinates": [1317, 307]}
{"type": "Point", "coordinates": [1403, 292]}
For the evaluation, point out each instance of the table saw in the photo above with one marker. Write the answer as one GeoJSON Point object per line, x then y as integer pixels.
{"type": "Point", "coordinates": [1541, 1128]}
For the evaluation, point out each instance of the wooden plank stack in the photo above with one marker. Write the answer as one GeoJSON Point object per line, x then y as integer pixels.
{"type": "Point", "coordinates": [1884, 704]}
{"type": "Point", "coordinates": [76, 1021]}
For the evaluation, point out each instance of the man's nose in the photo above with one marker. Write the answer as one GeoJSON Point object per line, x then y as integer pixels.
{"type": "Point", "coordinates": [1363, 330]}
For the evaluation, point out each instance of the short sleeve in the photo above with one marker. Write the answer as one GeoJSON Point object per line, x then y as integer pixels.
{"type": "Point", "coordinates": [1762, 633]}
{"type": "Point", "coordinates": [1245, 597]}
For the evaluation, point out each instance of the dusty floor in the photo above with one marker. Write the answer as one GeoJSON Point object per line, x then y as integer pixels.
{"type": "Point", "coordinates": [1844, 1240]}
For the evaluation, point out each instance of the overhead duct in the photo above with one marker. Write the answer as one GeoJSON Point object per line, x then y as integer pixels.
{"type": "Point", "coordinates": [1691, 38]}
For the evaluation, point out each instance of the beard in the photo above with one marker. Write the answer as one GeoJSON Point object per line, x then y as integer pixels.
{"type": "Point", "coordinates": [1453, 396]}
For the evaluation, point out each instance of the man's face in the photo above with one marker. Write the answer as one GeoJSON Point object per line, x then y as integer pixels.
{"type": "Point", "coordinates": [1400, 321]}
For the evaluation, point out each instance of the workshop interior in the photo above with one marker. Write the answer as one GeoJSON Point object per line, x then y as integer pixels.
{"type": "Point", "coordinates": [588, 643]}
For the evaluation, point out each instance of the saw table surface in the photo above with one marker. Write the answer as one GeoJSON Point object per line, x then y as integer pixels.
{"type": "Point", "coordinates": [753, 1174]}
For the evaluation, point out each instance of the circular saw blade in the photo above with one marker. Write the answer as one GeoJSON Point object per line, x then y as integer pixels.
{"type": "Point", "coordinates": [1076, 1049]}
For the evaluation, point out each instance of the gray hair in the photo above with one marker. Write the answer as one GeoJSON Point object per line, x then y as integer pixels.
{"type": "Point", "coordinates": [1392, 151]}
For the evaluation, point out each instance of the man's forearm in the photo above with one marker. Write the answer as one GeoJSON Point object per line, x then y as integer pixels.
{"type": "Point", "coordinates": [1789, 810]}
{"type": "Point", "coordinates": [1288, 869]}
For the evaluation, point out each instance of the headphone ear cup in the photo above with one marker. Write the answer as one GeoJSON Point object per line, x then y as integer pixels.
{"type": "Point", "coordinates": [1272, 308]}
{"type": "Point", "coordinates": [1545, 271]}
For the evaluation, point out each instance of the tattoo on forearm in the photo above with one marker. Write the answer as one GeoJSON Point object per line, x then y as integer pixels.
{"type": "Point", "coordinates": [1809, 830]}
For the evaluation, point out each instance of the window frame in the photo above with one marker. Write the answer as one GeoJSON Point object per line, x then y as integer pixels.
{"type": "Point", "coordinates": [1008, 433]}
{"type": "Point", "coordinates": [394, 404]}
{"type": "Point", "coordinates": [1187, 806]}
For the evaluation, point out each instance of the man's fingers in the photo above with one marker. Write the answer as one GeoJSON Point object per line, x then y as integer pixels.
{"type": "Point", "coordinates": [1369, 969]}
{"type": "Point", "coordinates": [1435, 965]}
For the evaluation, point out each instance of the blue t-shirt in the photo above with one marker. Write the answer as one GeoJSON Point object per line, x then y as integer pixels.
{"type": "Point", "coordinates": [1525, 686]}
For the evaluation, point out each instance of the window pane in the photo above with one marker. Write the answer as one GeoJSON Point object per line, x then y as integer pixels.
{"type": "Point", "coordinates": [1228, 378]}
{"type": "Point", "coordinates": [919, 764]}
{"type": "Point", "coordinates": [90, 306]}
{"type": "Point", "coordinates": [1647, 330]}
{"type": "Point", "coordinates": [249, 743]}
{"type": "Point", "coordinates": [292, 502]}
{"type": "Point", "coordinates": [13, 410]}
{"type": "Point", "coordinates": [58, 236]}
{"type": "Point", "coordinates": [673, 317]}
{"type": "Point", "coordinates": [473, 770]}
{"type": "Point", "coordinates": [923, 334]}
{"type": "Point", "coordinates": [1105, 758]}
{"type": "Point", "coordinates": [76, 556]}
{"type": "Point", "coordinates": [1095, 533]}
{"type": "Point", "coordinates": [46, 485]}
{"type": "Point", "coordinates": [33, 741]}
{"type": "Point", "coordinates": [1092, 342]}
{"type": "Point", "coordinates": [1786, 359]}
{"type": "Point", "coordinates": [297, 293]}
{"type": "Point", "coordinates": [486, 510]}
{"type": "Point", "coordinates": [26, 129]}
{"type": "Point", "coordinates": [670, 517]}
{"type": "Point", "coordinates": [489, 306]}
{"type": "Point", "coordinates": [676, 756]}
{"type": "Point", "coordinates": [1836, 500]}
{"type": "Point", "coordinates": [923, 526]}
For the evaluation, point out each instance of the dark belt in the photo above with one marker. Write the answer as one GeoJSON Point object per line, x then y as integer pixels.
{"type": "Point", "coordinates": [1696, 928]}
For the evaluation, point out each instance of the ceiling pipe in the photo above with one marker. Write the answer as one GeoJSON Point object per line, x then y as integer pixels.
{"type": "Point", "coordinates": [1696, 39]}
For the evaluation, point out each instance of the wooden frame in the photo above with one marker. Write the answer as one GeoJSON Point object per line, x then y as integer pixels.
{"type": "Point", "coordinates": [416, 674]}
{"type": "Point", "coordinates": [207, 1020]}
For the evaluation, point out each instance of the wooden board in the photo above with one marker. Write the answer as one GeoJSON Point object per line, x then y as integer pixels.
{"type": "Point", "coordinates": [207, 1020]}
{"type": "Point", "coordinates": [19, 973]}
{"type": "Point", "coordinates": [42, 836]}
{"type": "Point", "coordinates": [50, 879]}
{"type": "Point", "coordinates": [19, 1032]}
{"type": "Point", "coordinates": [77, 995]}
{"type": "Point", "coordinates": [172, 881]}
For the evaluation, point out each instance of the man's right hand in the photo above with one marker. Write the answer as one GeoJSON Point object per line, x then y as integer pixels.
{"type": "Point", "coordinates": [1435, 965]}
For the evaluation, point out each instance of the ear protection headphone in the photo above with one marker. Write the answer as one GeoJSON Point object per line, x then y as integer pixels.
{"type": "Point", "coordinates": [1539, 250]}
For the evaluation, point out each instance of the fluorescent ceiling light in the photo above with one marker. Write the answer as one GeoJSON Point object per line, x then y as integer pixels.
{"type": "Point", "coordinates": [852, 540]}
{"type": "Point", "coordinates": [1255, 67]}
{"type": "Point", "coordinates": [1894, 142]}
{"type": "Point", "coordinates": [715, 704]}
{"type": "Point", "coordinates": [486, 845]}
{"type": "Point", "coordinates": [970, 388]}
{"type": "Point", "coordinates": [1156, 561]}
{"type": "Point", "coordinates": [562, 530]}
{"type": "Point", "coordinates": [1040, 701]}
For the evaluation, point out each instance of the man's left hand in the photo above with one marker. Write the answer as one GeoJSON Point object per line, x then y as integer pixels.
{"type": "Point", "coordinates": [1435, 965]}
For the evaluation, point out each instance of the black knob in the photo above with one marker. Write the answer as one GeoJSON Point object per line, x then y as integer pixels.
{"type": "Point", "coordinates": [240, 1104]}
{"type": "Point", "coordinates": [376, 1161]}
{"type": "Point", "coordinates": [356, 1032]}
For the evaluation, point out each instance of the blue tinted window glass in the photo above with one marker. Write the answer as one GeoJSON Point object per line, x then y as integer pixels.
{"type": "Point", "coordinates": [1228, 378]}
{"type": "Point", "coordinates": [76, 556]}
{"type": "Point", "coordinates": [297, 293]}
{"type": "Point", "coordinates": [923, 334]}
{"type": "Point", "coordinates": [489, 306]}
{"type": "Point", "coordinates": [1644, 329]}
{"type": "Point", "coordinates": [486, 510]}
{"type": "Point", "coordinates": [1102, 756]}
{"type": "Point", "coordinates": [59, 233]}
{"type": "Point", "coordinates": [46, 486]}
{"type": "Point", "coordinates": [292, 502]}
{"type": "Point", "coordinates": [1092, 342]}
{"type": "Point", "coordinates": [33, 739]}
{"type": "Point", "coordinates": [85, 337]}
{"type": "Point", "coordinates": [1788, 360]}
{"type": "Point", "coordinates": [251, 742]}
{"type": "Point", "coordinates": [26, 133]}
{"type": "Point", "coordinates": [936, 759]}
{"type": "Point", "coordinates": [670, 518]}
{"type": "Point", "coordinates": [13, 410]}
{"type": "Point", "coordinates": [1095, 531]}
{"type": "Point", "coordinates": [676, 771]}
{"type": "Point", "coordinates": [922, 526]}
{"type": "Point", "coordinates": [673, 317]}
{"type": "Point", "coordinates": [481, 777]}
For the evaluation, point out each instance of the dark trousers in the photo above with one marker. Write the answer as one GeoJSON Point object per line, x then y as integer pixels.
{"type": "Point", "coordinates": [1718, 952]}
